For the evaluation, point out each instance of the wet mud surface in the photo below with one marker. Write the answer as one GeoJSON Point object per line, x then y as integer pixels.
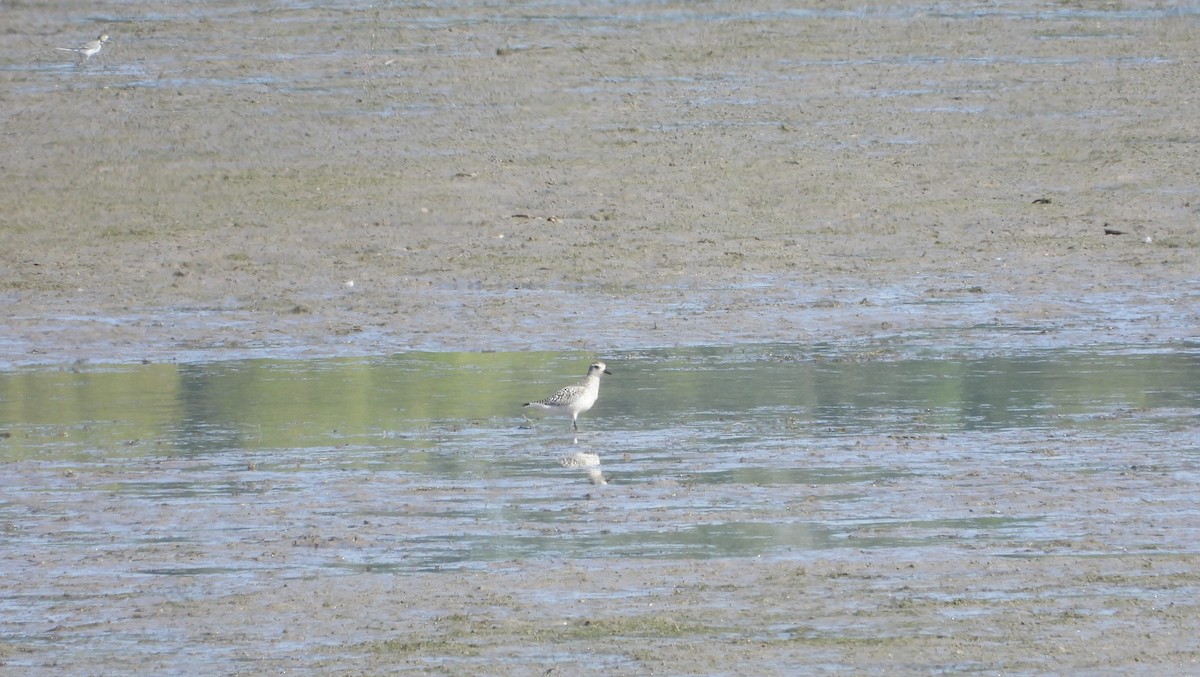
{"type": "Point", "coordinates": [296, 181]}
{"type": "Point", "coordinates": [475, 177]}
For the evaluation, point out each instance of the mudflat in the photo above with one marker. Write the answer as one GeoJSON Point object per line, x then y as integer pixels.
{"type": "Point", "coordinates": [472, 177]}
{"type": "Point", "coordinates": [297, 180]}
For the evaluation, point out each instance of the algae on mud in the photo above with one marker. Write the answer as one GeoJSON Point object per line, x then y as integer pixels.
{"type": "Point", "coordinates": [681, 175]}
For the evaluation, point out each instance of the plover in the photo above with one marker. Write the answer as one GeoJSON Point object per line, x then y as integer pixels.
{"type": "Point", "coordinates": [574, 399]}
{"type": "Point", "coordinates": [89, 50]}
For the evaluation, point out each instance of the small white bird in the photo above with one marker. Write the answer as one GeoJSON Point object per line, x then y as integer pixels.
{"type": "Point", "coordinates": [89, 50]}
{"type": "Point", "coordinates": [574, 399]}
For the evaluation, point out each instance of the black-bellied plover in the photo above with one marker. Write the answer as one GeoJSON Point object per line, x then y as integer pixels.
{"type": "Point", "coordinates": [89, 50]}
{"type": "Point", "coordinates": [574, 399]}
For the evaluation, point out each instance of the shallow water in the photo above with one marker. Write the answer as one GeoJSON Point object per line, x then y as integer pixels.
{"type": "Point", "coordinates": [423, 461]}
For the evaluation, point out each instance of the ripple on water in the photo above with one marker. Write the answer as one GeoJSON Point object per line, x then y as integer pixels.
{"type": "Point", "coordinates": [708, 452]}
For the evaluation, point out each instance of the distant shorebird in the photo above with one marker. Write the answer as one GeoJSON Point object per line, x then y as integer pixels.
{"type": "Point", "coordinates": [575, 399]}
{"type": "Point", "coordinates": [89, 50]}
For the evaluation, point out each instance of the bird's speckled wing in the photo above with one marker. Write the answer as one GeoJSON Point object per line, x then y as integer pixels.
{"type": "Point", "coordinates": [565, 395]}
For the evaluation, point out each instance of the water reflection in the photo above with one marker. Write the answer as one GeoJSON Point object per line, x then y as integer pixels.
{"type": "Point", "coordinates": [588, 462]}
{"type": "Point", "coordinates": [424, 460]}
